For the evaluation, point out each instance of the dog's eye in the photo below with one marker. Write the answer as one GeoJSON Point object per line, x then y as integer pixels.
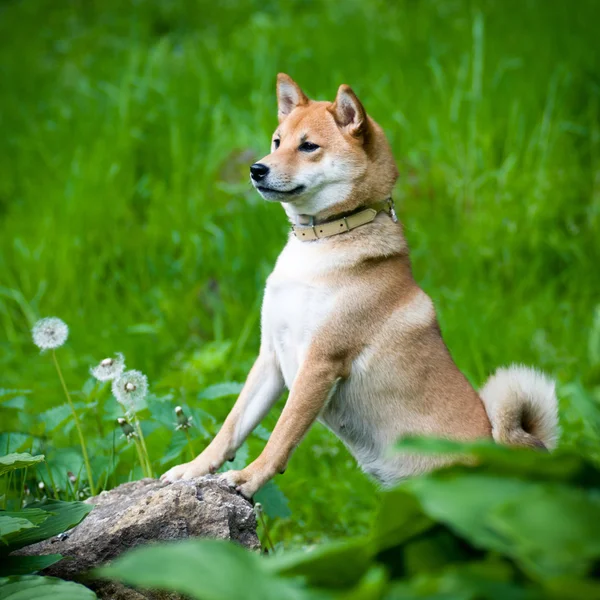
{"type": "Point", "coordinates": [276, 143]}
{"type": "Point", "coordinates": [308, 147]}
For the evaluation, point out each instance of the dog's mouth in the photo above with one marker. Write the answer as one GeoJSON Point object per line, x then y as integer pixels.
{"type": "Point", "coordinates": [273, 191]}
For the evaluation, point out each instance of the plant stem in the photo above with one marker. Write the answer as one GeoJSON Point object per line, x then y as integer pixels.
{"type": "Point", "coordinates": [190, 445]}
{"type": "Point", "coordinates": [54, 488]}
{"type": "Point", "coordinates": [86, 459]}
{"type": "Point", "coordinates": [148, 466]}
{"type": "Point", "coordinates": [140, 456]}
{"type": "Point", "coordinates": [21, 493]}
{"type": "Point", "coordinates": [266, 530]}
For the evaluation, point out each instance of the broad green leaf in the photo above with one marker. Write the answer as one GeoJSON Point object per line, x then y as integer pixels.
{"type": "Point", "coordinates": [400, 517]}
{"type": "Point", "coordinates": [273, 501]}
{"type": "Point", "coordinates": [62, 516]}
{"type": "Point", "coordinates": [203, 569]}
{"type": "Point", "coordinates": [240, 460]}
{"type": "Point", "coordinates": [370, 587]}
{"type": "Point", "coordinates": [10, 462]}
{"type": "Point", "coordinates": [34, 515]}
{"type": "Point", "coordinates": [554, 530]}
{"type": "Point", "coordinates": [24, 565]}
{"type": "Point", "coordinates": [464, 501]}
{"type": "Point", "coordinates": [333, 564]}
{"type": "Point", "coordinates": [221, 390]}
{"type": "Point", "coordinates": [9, 526]}
{"type": "Point", "coordinates": [500, 458]}
{"type": "Point", "coordinates": [8, 393]}
{"type": "Point", "coordinates": [262, 433]}
{"type": "Point", "coordinates": [56, 416]}
{"type": "Point", "coordinates": [32, 587]}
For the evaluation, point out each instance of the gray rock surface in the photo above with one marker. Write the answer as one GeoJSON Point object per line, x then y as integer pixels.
{"type": "Point", "coordinates": [143, 512]}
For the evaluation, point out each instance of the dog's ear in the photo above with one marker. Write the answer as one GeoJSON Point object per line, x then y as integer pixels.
{"type": "Point", "coordinates": [348, 112]}
{"type": "Point", "coordinates": [289, 96]}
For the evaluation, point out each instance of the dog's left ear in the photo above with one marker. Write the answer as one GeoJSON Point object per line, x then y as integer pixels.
{"type": "Point", "coordinates": [348, 112]}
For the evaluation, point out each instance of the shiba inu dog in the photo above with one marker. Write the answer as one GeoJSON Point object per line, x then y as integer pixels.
{"type": "Point", "coordinates": [345, 327]}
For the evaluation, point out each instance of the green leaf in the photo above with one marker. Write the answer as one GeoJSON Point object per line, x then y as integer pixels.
{"type": "Point", "coordinates": [61, 517]}
{"type": "Point", "coordinates": [32, 587]}
{"type": "Point", "coordinates": [464, 502]}
{"type": "Point", "coordinates": [56, 416]}
{"type": "Point", "coordinates": [24, 565]}
{"type": "Point", "coordinates": [370, 587]}
{"type": "Point", "coordinates": [202, 569]}
{"type": "Point", "coordinates": [221, 390]}
{"type": "Point", "coordinates": [554, 530]}
{"type": "Point", "coordinates": [9, 526]}
{"type": "Point", "coordinates": [10, 462]}
{"type": "Point", "coordinates": [400, 518]}
{"type": "Point", "coordinates": [334, 564]}
{"type": "Point", "coordinates": [262, 433]}
{"type": "Point", "coordinates": [500, 458]}
{"type": "Point", "coordinates": [9, 393]}
{"type": "Point", "coordinates": [273, 500]}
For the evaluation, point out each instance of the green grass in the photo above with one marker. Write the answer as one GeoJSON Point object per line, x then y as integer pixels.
{"type": "Point", "coordinates": [125, 208]}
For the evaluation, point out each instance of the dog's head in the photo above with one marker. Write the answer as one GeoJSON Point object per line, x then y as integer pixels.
{"type": "Point", "coordinates": [325, 157]}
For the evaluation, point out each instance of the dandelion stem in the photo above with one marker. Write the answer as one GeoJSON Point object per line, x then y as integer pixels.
{"type": "Point", "coordinates": [190, 445]}
{"type": "Point", "coordinates": [86, 459]}
{"type": "Point", "coordinates": [148, 466]}
{"type": "Point", "coordinates": [140, 454]}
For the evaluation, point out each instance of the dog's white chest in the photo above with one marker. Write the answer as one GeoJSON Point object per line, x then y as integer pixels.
{"type": "Point", "coordinates": [296, 304]}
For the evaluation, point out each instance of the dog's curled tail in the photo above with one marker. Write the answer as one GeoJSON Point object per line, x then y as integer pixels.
{"type": "Point", "coordinates": [522, 407]}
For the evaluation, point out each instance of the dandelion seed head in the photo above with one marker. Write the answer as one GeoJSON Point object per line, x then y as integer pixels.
{"type": "Point", "coordinates": [109, 368]}
{"type": "Point", "coordinates": [50, 333]}
{"type": "Point", "coordinates": [130, 389]}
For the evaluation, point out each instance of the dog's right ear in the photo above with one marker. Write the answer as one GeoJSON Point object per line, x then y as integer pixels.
{"type": "Point", "coordinates": [289, 96]}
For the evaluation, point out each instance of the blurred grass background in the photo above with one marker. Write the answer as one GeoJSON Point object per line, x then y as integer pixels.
{"type": "Point", "coordinates": [125, 208]}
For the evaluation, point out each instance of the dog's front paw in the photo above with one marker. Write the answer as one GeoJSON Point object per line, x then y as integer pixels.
{"type": "Point", "coordinates": [246, 482]}
{"type": "Point", "coordinates": [191, 470]}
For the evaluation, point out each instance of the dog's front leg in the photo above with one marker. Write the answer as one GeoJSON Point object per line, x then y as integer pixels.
{"type": "Point", "coordinates": [312, 386]}
{"type": "Point", "coordinates": [263, 387]}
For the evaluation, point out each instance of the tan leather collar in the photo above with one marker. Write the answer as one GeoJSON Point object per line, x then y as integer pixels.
{"type": "Point", "coordinates": [307, 233]}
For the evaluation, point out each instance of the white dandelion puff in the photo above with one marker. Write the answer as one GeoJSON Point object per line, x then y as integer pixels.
{"type": "Point", "coordinates": [130, 389]}
{"type": "Point", "coordinates": [109, 368]}
{"type": "Point", "coordinates": [50, 333]}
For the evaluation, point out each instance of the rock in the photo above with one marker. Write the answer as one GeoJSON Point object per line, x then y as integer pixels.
{"type": "Point", "coordinates": [148, 511]}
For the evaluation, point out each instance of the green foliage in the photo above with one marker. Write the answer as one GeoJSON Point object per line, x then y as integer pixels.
{"type": "Point", "coordinates": [42, 588]}
{"type": "Point", "coordinates": [463, 532]}
{"type": "Point", "coordinates": [127, 130]}
{"type": "Point", "coordinates": [61, 516]}
{"type": "Point", "coordinates": [37, 522]}
{"type": "Point", "coordinates": [203, 569]}
{"type": "Point", "coordinates": [14, 461]}
{"type": "Point", "coordinates": [125, 209]}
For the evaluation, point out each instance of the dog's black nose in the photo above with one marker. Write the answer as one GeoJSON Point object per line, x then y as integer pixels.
{"type": "Point", "coordinates": [258, 171]}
